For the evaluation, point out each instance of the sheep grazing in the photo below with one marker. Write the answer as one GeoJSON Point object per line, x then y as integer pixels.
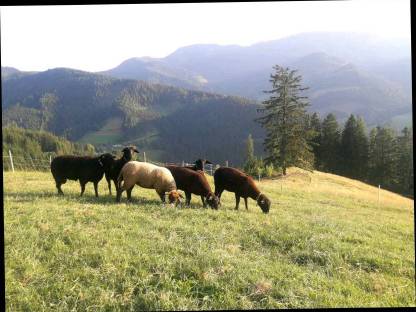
{"type": "Point", "coordinates": [112, 173]}
{"type": "Point", "coordinates": [236, 181]}
{"type": "Point", "coordinates": [83, 168]}
{"type": "Point", "coordinates": [150, 176]}
{"type": "Point", "coordinates": [193, 182]}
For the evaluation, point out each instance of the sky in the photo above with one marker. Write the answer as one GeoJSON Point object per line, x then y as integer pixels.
{"type": "Point", "coordinates": [100, 37]}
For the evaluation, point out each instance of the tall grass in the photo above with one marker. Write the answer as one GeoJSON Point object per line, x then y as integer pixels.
{"type": "Point", "coordinates": [327, 242]}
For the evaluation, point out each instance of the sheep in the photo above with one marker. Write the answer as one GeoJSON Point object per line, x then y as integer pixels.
{"type": "Point", "coordinates": [199, 164]}
{"type": "Point", "coordinates": [236, 181]}
{"type": "Point", "coordinates": [83, 168]}
{"type": "Point", "coordinates": [113, 172]}
{"type": "Point", "coordinates": [193, 182]}
{"type": "Point", "coordinates": [147, 175]}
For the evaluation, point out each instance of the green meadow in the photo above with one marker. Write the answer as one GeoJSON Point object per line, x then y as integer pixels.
{"type": "Point", "coordinates": [328, 241]}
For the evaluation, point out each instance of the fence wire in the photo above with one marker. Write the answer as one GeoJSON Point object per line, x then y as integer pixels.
{"type": "Point", "coordinates": [27, 163]}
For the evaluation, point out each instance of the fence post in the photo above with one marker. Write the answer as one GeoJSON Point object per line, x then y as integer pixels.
{"type": "Point", "coordinates": [183, 163]}
{"type": "Point", "coordinates": [144, 156]}
{"type": "Point", "coordinates": [50, 159]}
{"type": "Point", "coordinates": [226, 163]}
{"type": "Point", "coordinates": [11, 160]}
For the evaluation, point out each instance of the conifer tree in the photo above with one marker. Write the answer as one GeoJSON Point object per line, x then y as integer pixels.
{"type": "Point", "coordinates": [330, 145]}
{"type": "Point", "coordinates": [354, 149]}
{"type": "Point", "coordinates": [405, 162]}
{"type": "Point", "coordinates": [284, 121]}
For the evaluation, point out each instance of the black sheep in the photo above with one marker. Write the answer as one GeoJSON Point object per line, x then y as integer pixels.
{"type": "Point", "coordinates": [113, 172]}
{"type": "Point", "coordinates": [193, 182]}
{"type": "Point", "coordinates": [83, 168]}
{"type": "Point", "coordinates": [236, 181]}
{"type": "Point", "coordinates": [199, 164]}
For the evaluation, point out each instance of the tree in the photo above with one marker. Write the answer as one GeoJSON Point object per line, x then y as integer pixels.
{"type": "Point", "coordinates": [330, 145]}
{"type": "Point", "coordinates": [405, 162]}
{"type": "Point", "coordinates": [47, 103]}
{"type": "Point", "coordinates": [382, 167]}
{"type": "Point", "coordinates": [284, 121]}
{"type": "Point", "coordinates": [250, 162]}
{"type": "Point", "coordinates": [354, 149]}
{"type": "Point", "coordinates": [313, 134]}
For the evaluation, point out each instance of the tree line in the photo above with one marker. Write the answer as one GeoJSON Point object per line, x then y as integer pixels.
{"type": "Point", "coordinates": [297, 138]}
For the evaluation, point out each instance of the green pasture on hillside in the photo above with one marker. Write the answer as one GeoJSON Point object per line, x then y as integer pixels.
{"type": "Point", "coordinates": [328, 241]}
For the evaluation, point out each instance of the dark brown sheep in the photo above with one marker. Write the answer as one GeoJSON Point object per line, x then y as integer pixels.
{"type": "Point", "coordinates": [236, 181]}
{"type": "Point", "coordinates": [83, 168]}
{"type": "Point", "coordinates": [112, 173]}
{"type": "Point", "coordinates": [193, 182]}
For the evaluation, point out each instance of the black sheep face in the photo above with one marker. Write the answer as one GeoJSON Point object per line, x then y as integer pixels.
{"type": "Point", "coordinates": [106, 160]}
{"type": "Point", "coordinates": [213, 201]}
{"type": "Point", "coordinates": [200, 163]}
{"type": "Point", "coordinates": [264, 203]}
{"type": "Point", "coordinates": [128, 152]}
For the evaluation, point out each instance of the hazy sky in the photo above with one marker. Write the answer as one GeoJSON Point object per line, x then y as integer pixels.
{"type": "Point", "coordinates": [99, 37]}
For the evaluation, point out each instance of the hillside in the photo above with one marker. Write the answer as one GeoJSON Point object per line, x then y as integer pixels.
{"type": "Point", "coordinates": [326, 242]}
{"type": "Point", "coordinates": [165, 121]}
{"type": "Point", "coordinates": [375, 84]}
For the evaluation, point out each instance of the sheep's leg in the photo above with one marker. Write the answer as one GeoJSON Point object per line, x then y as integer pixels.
{"type": "Point", "coordinates": [82, 183]}
{"type": "Point", "coordinates": [237, 201]}
{"type": "Point", "coordinates": [188, 198]}
{"type": "Point", "coordinates": [129, 193]}
{"type": "Point", "coordinates": [245, 202]}
{"type": "Point", "coordinates": [118, 197]}
{"type": "Point", "coordinates": [96, 188]}
{"type": "Point", "coordinates": [203, 202]}
{"type": "Point", "coordinates": [58, 186]}
{"type": "Point", "coordinates": [109, 185]}
{"type": "Point", "coordinates": [162, 197]}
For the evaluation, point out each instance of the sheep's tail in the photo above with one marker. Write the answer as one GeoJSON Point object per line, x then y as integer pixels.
{"type": "Point", "coordinates": [119, 180]}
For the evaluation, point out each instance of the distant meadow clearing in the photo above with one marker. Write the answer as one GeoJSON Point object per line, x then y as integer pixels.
{"type": "Point", "coordinates": [328, 241]}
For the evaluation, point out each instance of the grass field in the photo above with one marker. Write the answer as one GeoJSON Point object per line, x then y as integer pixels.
{"type": "Point", "coordinates": [326, 242]}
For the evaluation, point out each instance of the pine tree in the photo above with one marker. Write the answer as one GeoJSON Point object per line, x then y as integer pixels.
{"type": "Point", "coordinates": [329, 150]}
{"type": "Point", "coordinates": [405, 172]}
{"type": "Point", "coordinates": [354, 149]}
{"type": "Point", "coordinates": [250, 162]}
{"type": "Point", "coordinates": [313, 135]}
{"type": "Point", "coordinates": [383, 158]}
{"type": "Point", "coordinates": [284, 121]}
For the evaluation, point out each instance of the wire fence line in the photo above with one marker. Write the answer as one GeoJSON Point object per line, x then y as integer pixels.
{"type": "Point", "coordinates": [27, 163]}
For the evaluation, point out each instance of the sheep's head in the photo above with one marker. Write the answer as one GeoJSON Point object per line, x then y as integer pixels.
{"type": "Point", "coordinates": [128, 152]}
{"type": "Point", "coordinates": [200, 163]}
{"type": "Point", "coordinates": [213, 201]}
{"type": "Point", "coordinates": [174, 197]}
{"type": "Point", "coordinates": [264, 203]}
{"type": "Point", "coordinates": [106, 160]}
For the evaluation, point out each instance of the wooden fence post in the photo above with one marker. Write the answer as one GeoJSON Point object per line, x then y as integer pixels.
{"type": "Point", "coordinates": [50, 159]}
{"type": "Point", "coordinates": [226, 163]}
{"type": "Point", "coordinates": [183, 163]}
{"type": "Point", "coordinates": [144, 156]}
{"type": "Point", "coordinates": [11, 160]}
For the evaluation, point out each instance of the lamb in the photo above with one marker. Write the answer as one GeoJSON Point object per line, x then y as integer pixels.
{"type": "Point", "coordinates": [148, 175]}
{"type": "Point", "coordinates": [113, 172]}
{"type": "Point", "coordinates": [83, 168]}
{"type": "Point", "coordinates": [236, 181]}
{"type": "Point", "coordinates": [193, 182]}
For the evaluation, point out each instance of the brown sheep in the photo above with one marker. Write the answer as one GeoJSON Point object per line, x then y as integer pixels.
{"type": "Point", "coordinates": [193, 182]}
{"type": "Point", "coordinates": [236, 181]}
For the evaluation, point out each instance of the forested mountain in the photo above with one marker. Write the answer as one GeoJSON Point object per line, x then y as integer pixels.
{"type": "Point", "coordinates": [346, 72]}
{"type": "Point", "coordinates": [169, 123]}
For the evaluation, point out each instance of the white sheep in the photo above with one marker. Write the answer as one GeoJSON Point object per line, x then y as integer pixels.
{"type": "Point", "coordinates": [150, 176]}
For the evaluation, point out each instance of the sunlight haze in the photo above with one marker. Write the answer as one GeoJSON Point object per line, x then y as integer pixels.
{"type": "Point", "coordinates": [99, 37]}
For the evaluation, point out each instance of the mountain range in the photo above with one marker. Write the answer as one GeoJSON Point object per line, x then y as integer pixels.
{"type": "Point", "coordinates": [189, 103]}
